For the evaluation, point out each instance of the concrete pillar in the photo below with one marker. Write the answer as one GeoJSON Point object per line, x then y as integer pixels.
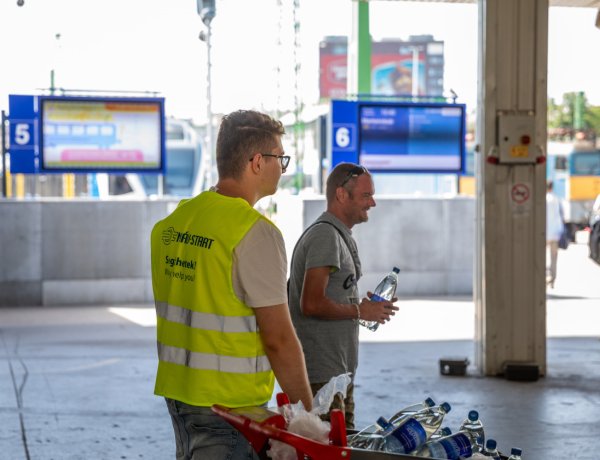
{"type": "Point", "coordinates": [509, 283]}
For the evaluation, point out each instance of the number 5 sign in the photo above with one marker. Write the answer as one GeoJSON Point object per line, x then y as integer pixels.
{"type": "Point", "coordinates": [24, 149]}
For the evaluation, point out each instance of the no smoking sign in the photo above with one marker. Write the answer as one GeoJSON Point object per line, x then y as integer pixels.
{"type": "Point", "coordinates": [520, 193]}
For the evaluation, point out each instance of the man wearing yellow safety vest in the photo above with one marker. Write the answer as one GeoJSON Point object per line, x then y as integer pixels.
{"type": "Point", "coordinates": [219, 280]}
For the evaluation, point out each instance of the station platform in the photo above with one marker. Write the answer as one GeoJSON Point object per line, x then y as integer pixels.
{"type": "Point", "coordinates": [77, 382]}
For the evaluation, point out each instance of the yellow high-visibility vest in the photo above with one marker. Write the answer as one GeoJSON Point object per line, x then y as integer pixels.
{"type": "Point", "coordinates": [209, 347]}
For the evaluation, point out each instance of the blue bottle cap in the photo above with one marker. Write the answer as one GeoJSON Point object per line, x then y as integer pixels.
{"type": "Point", "coordinates": [445, 431]}
{"type": "Point", "coordinates": [515, 451]}
{"type": "Point", "coordinates": [396, 270]}
{"type": "Point", "coordinates": [383, 423]}
{"type": "Point", "coordinates": [430, 402]}
{"type": "Point", "coordinates": [473, 415]}
{"type": "Point", "coordinates": [446, 407]}
{"type": "Point", "coordinates": [490, 444]}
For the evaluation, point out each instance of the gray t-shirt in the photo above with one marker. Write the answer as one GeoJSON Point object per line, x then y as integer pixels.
{"type": "Point", "coordinates": [330, 346]}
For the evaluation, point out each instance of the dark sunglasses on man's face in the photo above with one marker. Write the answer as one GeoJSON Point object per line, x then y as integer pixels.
{"type": "Point", "coordinates": [354, 172]}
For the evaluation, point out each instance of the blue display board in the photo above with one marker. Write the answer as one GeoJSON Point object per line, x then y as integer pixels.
{"type": "Point", "coordinates": [86, 134]}
{"type": "Point", "coordinates": [399, 137]}
{"type": "Point", "coordinates": [23, 134]}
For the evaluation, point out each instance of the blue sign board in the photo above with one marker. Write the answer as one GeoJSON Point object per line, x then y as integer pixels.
{"type": "Point", "coordinates": [86, 134]}
{"type": "Point", "coordinates": [23, 134]}
{"type": "Point", "coordinates": [399, 137]}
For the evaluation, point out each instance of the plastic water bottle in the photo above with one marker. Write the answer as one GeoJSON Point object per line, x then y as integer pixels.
{"type": "Point", "coordinates": [462, 444]}
{"type": "Point", "coordinates": [515, 454]}
{"type": "Point", "coordinates": [474, 426]}
{"type": "Point", "coordinates": [413, 431]}
{"type": "Point", "coordinates": [385, 290]}
{"type": "Point", "coordinates": [491, 450]}
{"type": "Point", "coordinates": [410, 410]}
{"type": "Point", "coordinates": [441, 433]}
{"type": "Point", "coordinates": [370, 437]}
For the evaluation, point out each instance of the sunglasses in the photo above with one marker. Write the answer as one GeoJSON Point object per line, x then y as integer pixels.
{"type": "Point", "coordinates": [354, 172]}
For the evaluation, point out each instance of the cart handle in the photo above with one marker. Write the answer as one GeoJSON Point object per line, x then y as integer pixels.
{"type": "Point", "coordinates": [269, 429]}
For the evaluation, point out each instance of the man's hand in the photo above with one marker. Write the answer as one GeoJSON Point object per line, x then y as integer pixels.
{"type": "Point", "coordinates": [381, 312]}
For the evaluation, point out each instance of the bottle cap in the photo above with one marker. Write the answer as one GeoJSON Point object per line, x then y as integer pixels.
{"type": "Point", "coordinates": [515, 451]}
{"type": "Point", "coordinates": [383, 423]}
{"type": "Point", "coordinates": [490, 444]}
{"type": "Point", "coordinates": [446, 407]}
{"type": "Point", "coordinates": [473, 415]}
{"type": "Point", "coordinates": [430, 402]}
{"type": "Point", "coordinates": [396, 270]}
{"type": "Point", "coordinates": [445, 431]}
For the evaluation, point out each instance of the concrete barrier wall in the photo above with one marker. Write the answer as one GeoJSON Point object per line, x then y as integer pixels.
{"type": "Point", "coordinates": [431, 240]}
{"type": "Point", "coordinates": [59, 252]}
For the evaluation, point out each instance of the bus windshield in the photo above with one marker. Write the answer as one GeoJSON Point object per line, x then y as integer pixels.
{"type": "Point", "coordinates": [585, 163]}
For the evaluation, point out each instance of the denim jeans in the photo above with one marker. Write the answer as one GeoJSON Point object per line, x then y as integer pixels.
{"type": "Point", "coordinates": [202, 434]}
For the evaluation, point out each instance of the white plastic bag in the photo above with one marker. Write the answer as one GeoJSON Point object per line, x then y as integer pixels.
{"type": "Point", "coordinates": [309, 424]}
{"type": "Point", "coordinates": [324, 397]}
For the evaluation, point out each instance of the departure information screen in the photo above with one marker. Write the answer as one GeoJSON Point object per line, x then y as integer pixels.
{"type": "Point", "coordinates": [411, 137]}
{"type": "Point", "coordinates": [102, 134]}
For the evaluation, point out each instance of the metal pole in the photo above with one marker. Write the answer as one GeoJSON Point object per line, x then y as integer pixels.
{"type": "Point", "coordinates": [415, 71]}
{"type": "Point", "coordinates": [4, 178]}
{"type": "Point", "coordinates": [209, 128]}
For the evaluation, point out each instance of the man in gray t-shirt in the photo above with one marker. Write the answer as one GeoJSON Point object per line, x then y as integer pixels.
{"type": "Point", "coordinates": [323, 295]}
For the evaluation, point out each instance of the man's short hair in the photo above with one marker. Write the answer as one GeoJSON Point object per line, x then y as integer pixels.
{"type": "Point", "coordinates": [243, 133]}
{"type": "Point", "coordinates": [343, 175]}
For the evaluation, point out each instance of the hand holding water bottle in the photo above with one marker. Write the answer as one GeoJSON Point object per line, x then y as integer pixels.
{"type": "Point", "coordinates": [379, 306]}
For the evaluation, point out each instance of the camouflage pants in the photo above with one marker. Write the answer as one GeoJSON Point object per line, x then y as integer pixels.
{"type": "Point", "coordinates": [345, 405]}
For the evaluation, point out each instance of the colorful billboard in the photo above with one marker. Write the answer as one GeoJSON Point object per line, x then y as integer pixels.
{"type": "Point", "coordinates": [413, 67]}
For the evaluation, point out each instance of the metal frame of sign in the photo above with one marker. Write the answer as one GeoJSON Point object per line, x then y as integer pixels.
{"type": "Point", "coordinates": [398, 136]}
{"type": "Point", "coordinates": [87, 134]}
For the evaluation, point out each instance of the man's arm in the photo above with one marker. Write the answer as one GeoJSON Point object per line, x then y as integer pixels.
{"type": "Point", "coordinates": [284, 352]}
{"type": "Point", "coordinates": [314, 301]}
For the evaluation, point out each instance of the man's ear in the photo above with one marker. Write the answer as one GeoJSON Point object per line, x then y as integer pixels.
{"type": "Point", "coordinates": [341, 194]}
{"type": "Point", "coordinates": [255, 163]}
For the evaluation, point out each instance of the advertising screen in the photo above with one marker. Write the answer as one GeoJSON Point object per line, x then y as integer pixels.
{"type": "Point", "coordinates": [102, 134]}
{"type": "Point", "coordinates": [411, 137]}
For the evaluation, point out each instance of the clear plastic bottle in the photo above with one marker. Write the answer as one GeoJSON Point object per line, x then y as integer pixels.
{"type": "Point", "coordinates": [462, 444]}
{"type": "Point", "coordinates": [370, 437]}
{"type": "Point", "coordinates": [491, 450]}
{"type": "Point", "coordinates": [441, 433]}
{"type": "Point", "coordinates": [385, 290]}
{"type": "Point", "coordinates": [413, 431]}
{"type": "Point", "coordinates": [475, 426]}
{"type": "Point", "coordinates": [515, 454]}
{"type": "Point", "coordinates": [410, 410]}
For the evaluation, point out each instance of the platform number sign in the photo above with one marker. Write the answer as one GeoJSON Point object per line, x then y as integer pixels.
{"type": "Point", "coordinates": [22, 134]}
{"type": "Point", "coordinates": [344, 137]}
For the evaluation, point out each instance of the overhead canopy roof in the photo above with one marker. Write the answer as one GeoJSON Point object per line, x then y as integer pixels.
{"type": "Point", "coordinates": [575, 3]}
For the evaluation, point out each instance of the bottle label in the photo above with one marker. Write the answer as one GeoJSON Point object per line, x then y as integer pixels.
{"type": "Point", "coordinates": [410, 434]}
{"type": "Point", "coordinates": [376, 298]}
{"type": "Point", "coordinates": [457, 446]}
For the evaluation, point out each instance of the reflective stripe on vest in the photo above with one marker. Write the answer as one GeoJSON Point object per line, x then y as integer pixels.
{"type": "Point", "coordinates": [212, 362]}
{"type": "Point", "coordinates": [205, 321]}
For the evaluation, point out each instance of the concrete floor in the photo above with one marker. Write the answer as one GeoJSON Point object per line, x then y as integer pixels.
{"type": "Point", "coordinates": [77, 382]}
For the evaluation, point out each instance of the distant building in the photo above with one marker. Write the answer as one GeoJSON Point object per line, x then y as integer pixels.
{"type": "Point", "coordinates": [412, 67]}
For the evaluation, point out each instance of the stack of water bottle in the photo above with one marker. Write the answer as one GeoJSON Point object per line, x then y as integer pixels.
{"type": "Point", "coordinates": [417, 430]}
